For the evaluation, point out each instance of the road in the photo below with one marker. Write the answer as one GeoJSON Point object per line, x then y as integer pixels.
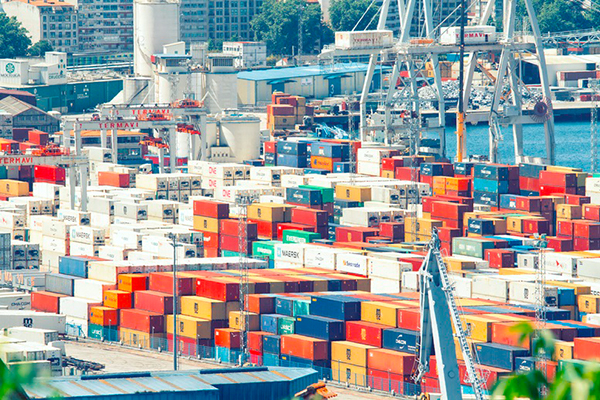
{"type": "Point", "coordinates": [120, 359]}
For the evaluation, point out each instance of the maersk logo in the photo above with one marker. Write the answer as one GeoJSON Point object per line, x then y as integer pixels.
{"type": "Point", "coordinates": [289, 253]}
{"type": "Point", "coordinates": [81, 235]}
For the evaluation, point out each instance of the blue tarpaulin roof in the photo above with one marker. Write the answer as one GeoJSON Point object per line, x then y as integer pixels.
{"type": "Point", "coordinates": [303, 72]}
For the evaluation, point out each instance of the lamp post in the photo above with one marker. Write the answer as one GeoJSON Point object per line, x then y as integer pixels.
{"type": "Point", "coordinates": [175, 245]}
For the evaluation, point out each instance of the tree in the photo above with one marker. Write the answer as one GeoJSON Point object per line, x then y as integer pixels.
{"type": "Point", "coordinates": [573, 381]}
{"type": "Point", "coordinates": [277, 25]}
{"type": "Point", "coordinates": [13, 38]}
{"type": "Point", "coordinates": [558, 15]}
{"type": "Point", "coordinates": [215, 44]}
{"type": "Point", "coordinates": [39, 49]}
{"type": "Point", "coordinates": [345, 14]}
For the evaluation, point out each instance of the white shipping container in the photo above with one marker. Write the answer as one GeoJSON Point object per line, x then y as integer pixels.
{"type": "Point", "coordinates": [112, 253]}
{"type": "Point", "coordinates": [593, 319]}
{"type": "Point", "coordinates": [320, 257]}
{"type": "Point", "coordinates": [12, 352]}
{"type": "Point", "coordinates": [32, 319]}
{"type": "Point", "coordinates": [131, 210]}
{"type": "Point", "coordinates": [46, 190]}
{"type": "Point", "coordinates": [490, 287]}
{"type": "Point", "coordinates": [83, 249]}
{"type": "Point", "coordinates": [186, 217]}
{"type": "Point", "coordinates": [86, 234]}
{"type": "Point", "coordinates": [387, 269]}
{"type": "Point", "coordinates": [213, 183]}
{"type": "Point", "coordinates": [561, 262]}
{"type": "Point", "coordinates": [74, 217]}
{"type": "Point", "coordinates": [266, 174]}
{"type": "Point", "coordinates": [528, 261]}
{"type": "Point", "coordinates": [107, 271]}
{"type": "Point", "coordinates": [77, 307]}
{"type": "Point", "coordinates": [54, 245]}
{"type": "Point", "coordinates": [91, 289]}
{"type": "Point", "coordinates": [388, 195]}
{"type": "Point", "coordinates": [375, 39]}
{"type": "Point", "coordinates": [381, 285]}
{"type": "Point", "coordinates": [15, 301]}
{"type": "Point", "coordinates": [352, 263]}
{"type": "Point", "coordinates": [360, 217]}
{"type": "Point", "coordinates": [526, 292]}
{"type": "Point", "coordinates": [127, 239]}
{"type": "Point", "coordinates": [102, 221]}
{"type": "Point", "coordinates": [592, 185]}
{"type": "Point", "coordinates": [373, 155]}
{"type": "Point", "coordinates": [287, 265]}
{"type": "Point", "coordinates": [293, 253]}
{"type": "Point", "coordinates": [102, 205]}
{"type": "Point", "coordinates": [369, 168]}
{"type": "Point", "coordinates": [463, 287]}
{"type": "Point", "coordinates": [293, 181]}
{"type": "Point", "coordinates": [12, 220]}
{"type": "Point", "coordinates": [152, 181]}
{"type": "Point", "coordinates": [475, 34]}
{"type": "Point", "coordinates": [36, 335]}
{"type": "Point", "coordinates": [588, 268]}
{"type": "Point", "coordinates": [410, 281]}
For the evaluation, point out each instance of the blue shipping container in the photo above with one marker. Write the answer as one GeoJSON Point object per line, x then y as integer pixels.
{"type": "Point", "coordinates": [499, 355]}
{"type": "Point", "coordinates": [321, 327]}
{"type": "Point", "coordinates": [74, 266]}
{"type": "Point", "coordinates": [463, 168]}
{"type": "Point", "coordinates": [292, 148]}
{"type": "Point", "coordinates": [271, 360]}
{"type": "Point", "coordinates": [429, 169]}
{"type": "Point", "coordinates": [270, 159]}
{"type": "Point", "coordinates": [508, 201]}
{"type": "Point", "coordinates": [315, 171]}
{"type": "Point", "coordinates": [481, 226]}
{"type": "Point", "coordinates": [487, 199]}
{"type": "Point", "coordinates": [272, 344]}
{"type": "Point", "coordinates": [524, 364]}
{"type": "Point", "coordinates": [336, 307]}
{"type": "Point", "coordinates": [400, 340]}
{"type": "Point", "coordinates": [488, 171]}
{"type": "Point", "coordinates": [531, 170]}
{"type": "Point", "coordinates": [329, 150]}
{"type": "Point", "coordinates": [309, 197]}
{"type": "Point", "coordinates": [343, 167]}
{"type": "Point", "coordinates": [287, 160]}
{"type": "Point", "coordinates": [490, 186]}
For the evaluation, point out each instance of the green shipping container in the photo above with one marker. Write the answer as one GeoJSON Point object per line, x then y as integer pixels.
{"type": "Point", "coordinates": [285, 325]}
{"type": "Point", "coordinates": [229, 253]}
{"type": "Point", "coordinates": [326, 193]}
{"type": "Point", "coordinates": [296, 236]}
{"type": "Point", "coordinates": [100, 332]}
{"type": "Point", "coordinates": [264, 248]}
{"type": "Point", "coordinates": [3, 173]}
{"type": "Point", "coordinates": [472, 247]}
{"type": "Point", "coordinates": [301, 307]}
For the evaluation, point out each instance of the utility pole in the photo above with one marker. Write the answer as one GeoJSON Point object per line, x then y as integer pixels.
{"type": "Point", "coordinates": [175, 245]}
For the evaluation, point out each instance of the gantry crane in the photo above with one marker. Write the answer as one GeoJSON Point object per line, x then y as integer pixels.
{"type": "Point", "coordinates": [439, 313]}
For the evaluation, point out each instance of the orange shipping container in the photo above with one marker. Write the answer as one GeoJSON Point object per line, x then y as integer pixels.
{"type": "Point", "coordinates": [260, 304]}
{"type": "Point", "coordinates": [133, 282]}
{"type": "Point", "coordinates": [304, 347]}
{"type": "Point", "coordinates": [458, 184]}
{"type": "Point", "coordinates": [320, 162]}
{"type": "Point", "coordinates": [391, 361]}
{"type": "Point", "coordinates": [227, 337]}
{"type": "Point", "coordinates": [116, 179]}
{"type": "Point", "coordinates": [587, 348]}
{"type": "Point", "coordinates": [118, 299]}
{"type": "Point", "coordinates": [105, 316]}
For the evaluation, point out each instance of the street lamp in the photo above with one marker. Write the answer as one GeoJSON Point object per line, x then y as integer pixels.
{"type": "Point", "coordinates": [175, 245]}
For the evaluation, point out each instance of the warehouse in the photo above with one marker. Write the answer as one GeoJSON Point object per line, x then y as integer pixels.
{"type": "Point", "coordinates": [314, 82]}
{"type": "Point", "coordinates": [24, 115]}
{"type": "Point", "coordinates": [563, 71]}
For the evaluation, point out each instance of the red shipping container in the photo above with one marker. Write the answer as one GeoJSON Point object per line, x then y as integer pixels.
{"type": "Point", "coordinates": [255, 340]}
{"type": "Point", "coordinates": [23, 147]}
{"type": "Point", "coordinates": [386, 381]}
{"type": "Point", "coordinates": [157, 302]}
{"type": "Point", "coordinates": [457, 199]}
{"type": "Point", "coordinates": [265, 229]}
{"type": "Point", "coordinates": [448, 210]}
{"type": "Point", "coordinates": [430, 385]}
{"type": "Point", "coordinates": [309, 216]}
{"type": "Point", "coordinates": [529, 204]}
{"type": "Point", "coordinates": [163, 282]}
{"type": "Point", "coordinates": [354, 234]}
{"type": "Point", "coordinates": [271, 147]}
{"type": "Point", "coordinates": [143, 321]}
{"type": "Point", "coordinates": [210, 240]}
{"type": "Point", "coordinates": [365, 333]}
{"type": "Point", "coordinates": [586, 229]}
{"type": "Point", "coordinates": [304, 347]}
{"type": "Point", "coordinates": [46, 301]}
{"type": "Point", "coordinates": [447, 234]}
{"type": "Point", "coordinates": [580, 244]}
{"type": "Point", "coordinates": [499, 258]}
{"type": "Point", "coordinates": [133, 282]}
{"type": "Point", "coordinates": [38, 137]}
{"type": "Point", "coordinates": [427, 202]}
{"type": "Point", "coordinates": [390, 164]}
{"type": "Point", "coordinates": [292, 101]}
{"type": "Point", "coordinates": [452, 223]}
{"type": "Point", "coordinates": [218, 289]}
{"type": "Point", "coordinates": [392, 230]}
{"type": "Point", "coordinates": [211, 209]}
{"type": "Point", "coordinates": [260, 304]}
{"type": "Point", "coordinates": [591, 212]}
{"type": "Point", "coordinates": [49, 173]}
{"type": "Point", "coordinates": [409, 318]}
{"type": "Point", "coordinates": [446, 247]}
{"type": "Point", "coordinates": [190, 347]}
{"type": "Point", "coordinates": [558, 179]}
{"type": "Point", "coordinates": [283, 226]}
{"type": "Point", "coordinates": [232, 243]}
{"type": "Point", "coordinates": [416, 262]}
{"type": "Point", "coordinates": [392, 361]}
{"type": "Point", "coordinates": [560, 243]}
{"type": "Point", "coordinates": [586, 348]}
{"type": "Point", "coordinates": [116, 179]}
{"type": "Point", "coordinates": [547, 190]}
{"type": "Point", "coordinates": [532, 184]}
{"type": "Point", "coordinates": [227, 337]}
{"type": "Point", "coordinates": [565, 228]}
{"type": "Point", "coordinates": [536, 226]}
{"type": "Point", "coordinates": [280, 109]}
{"type": "Point", "coordinates": [231, 227]}
{"type": "Point", "coordinates": [577, 200]}
{"type": "Point", "coordinates": [407, 174]}
{"type": "Point", "coordinates": [211, 252]}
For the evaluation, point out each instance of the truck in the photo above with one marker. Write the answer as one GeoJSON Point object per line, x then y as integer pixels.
{"type": "Point", "coordinates": [357, 40]}
{"type": "Point", "coordinates": [477, 34]}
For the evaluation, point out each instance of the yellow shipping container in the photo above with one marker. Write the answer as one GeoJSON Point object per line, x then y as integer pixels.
{"type": "Point", "coordinates": [380, 313]}
{"type": "Point", "coordinates": [238, 319]}
{"type": "Point", "coordinates": [190, 327]}
{"type": "Point", "coordinates": [11, 187]}
{"type": "Point", "coordinates": [515, 224]}
{"type": "Point", "coordinates": [267, 212]}
{"type": "Point", "coordinates": [348, 373]}
{"type": "Point", "coordinates": [350, 353]}
{"type": "Point", "coordinates": [500, 226]}
{"type": "Point", "coordinates": [353, 193]}
{"type": "Point", "coordinates": [456, 264]}
{"type": "Point", "coordinates": [202, 307]}
{"type": "Point", "coordinates": [143, 340]}
{"type": "Point", "coordinates": [588, 303]}
{"type": "Point", "coordinates": [569, 211]}
{"type": "Point", "coordinates": [578, 287]}
{"type": "Point", "coordinates": [206, 224]}
{"type": "Point", "coordinates": [421, 226]}
{"type": "Point", "coordinates": [387, 174]}
{"type": "Point", "coordinates": [563, 350]}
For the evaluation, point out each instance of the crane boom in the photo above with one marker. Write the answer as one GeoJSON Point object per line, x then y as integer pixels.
{"type": "Point", "coordinates": [439, 313]}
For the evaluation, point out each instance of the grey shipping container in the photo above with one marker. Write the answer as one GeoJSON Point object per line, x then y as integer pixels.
{"type": "Point", "coordinates": [61, 284]}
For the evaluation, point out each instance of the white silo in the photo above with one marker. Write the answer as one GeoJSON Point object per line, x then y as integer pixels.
{"type": "Point", "coordinates": [242, 134]}
{"type": "Point", "coordinates": [155, 24]}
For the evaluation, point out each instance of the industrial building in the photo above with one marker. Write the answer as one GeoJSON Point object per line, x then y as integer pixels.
{"type": "Point", "coordinates": [25, 115]}
{"type": "Point", "coordinates": [54, 21]}
{"type": "Point", "coordinates": [50, 70]}
{"type": "Point", "coordinates": [563, 71]}
{"type": "Point", "coordinates": [248, 54]}
{"type": "Point", "coordinates": [314, 81]}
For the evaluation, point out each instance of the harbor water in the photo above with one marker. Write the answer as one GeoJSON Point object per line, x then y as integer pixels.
{"type": "Point", "coordinates": [573, 143]}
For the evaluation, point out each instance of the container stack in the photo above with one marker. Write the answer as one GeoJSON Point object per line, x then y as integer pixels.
{"type": "Point", "coordinates": [491, 180]}
{"type": "Point", "coordinates": [270, 153]}
{"type": "Point", "coordinates": [292, 154]}
{"type": "Point", "coordinates": [207, 219]}
{"type": "Point", "coordinates": [49, 174]}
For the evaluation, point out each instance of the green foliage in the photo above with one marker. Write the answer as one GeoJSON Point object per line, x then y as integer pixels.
{"type": "Point", "coordinates": [215, 44]}
{"type": "Point", "coordinates": [12, 379]}
{"type": "Point", "coordinates": [14, 39]}
{"type": "Point", "coordinates": [272, 60]}
{"type": "Point", "coordinates": [277, 25]}
{"type": "Point", "coordinates": [574, 381]}
{"type": "Point", "coordinates": [559, 15]}
{"type": "Point", "coordinates": [39, 49]}
{"type": "Point", "coordinates": [345, 14]}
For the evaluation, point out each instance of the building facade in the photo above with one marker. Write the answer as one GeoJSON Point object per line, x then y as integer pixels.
{"type": "Point", "coordinates": [54, 21]}
{"type": "Point", "coordinates": [25, 115]}
{"type": "Point", "coordinates": [248, 54]}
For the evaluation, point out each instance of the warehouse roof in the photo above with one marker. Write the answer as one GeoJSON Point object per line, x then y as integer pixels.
{"type": "Point", "coordinates": [203, 384]}
{"type": "Point", "coordinates": [14, 106]}
{"type": "Point", "coordinates": [301, 72]}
